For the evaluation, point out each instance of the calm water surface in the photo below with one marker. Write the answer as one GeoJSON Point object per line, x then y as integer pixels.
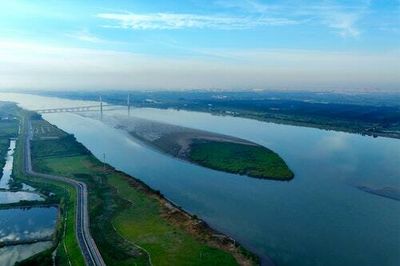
{"type": "Point", "coordinates": [8, 166]}
{"type": "Point", "coordinates": [13, 197]}
{"type": "Point", "coordinates": [11, 254]}
{"type": "Point", "coordinates": [318, 218]}
{"type": "Point", "coordinates": [9, 196]}
{"type": "Point", "coordinates": [27, 224]}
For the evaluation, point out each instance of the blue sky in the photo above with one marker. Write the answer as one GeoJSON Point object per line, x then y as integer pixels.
{"type": "Point", "coordinates": [243, 44]}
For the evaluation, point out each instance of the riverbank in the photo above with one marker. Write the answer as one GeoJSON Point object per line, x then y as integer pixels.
{"type": "Point", "coordinates": [161, 232]}
{"type": "Point", "coordinates": [324, 125]}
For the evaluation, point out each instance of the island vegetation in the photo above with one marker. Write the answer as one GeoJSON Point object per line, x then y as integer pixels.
{"type": "Point", "coordinates": [244, 159]}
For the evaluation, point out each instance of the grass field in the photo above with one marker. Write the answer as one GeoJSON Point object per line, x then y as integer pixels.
{"type": "Point", "coordinates": [251, 160]}
{"type": "Point", "coordinates": [131, 224]}
{"type": "Point", "coordinates": [44, 130]}
{"type": "Point", "coordinates": [167, 244]}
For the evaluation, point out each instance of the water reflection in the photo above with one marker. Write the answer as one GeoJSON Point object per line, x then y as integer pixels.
{"type": "Point", "coordinates": [11, 254]}
{"type": "Point", "coordinates": [27, 224]}
{"type": "Point", "coordinates": [13, 197]}
{"type": "Point", "coordinates": [7, 197]}
{"type": "Point", "coordinates": [7, 169]}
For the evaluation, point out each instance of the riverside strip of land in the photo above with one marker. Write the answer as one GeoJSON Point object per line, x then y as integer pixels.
{"type": "Point", "coordinates": [86, 243]}
{"type": "Point", "coordinates": [130, 223]}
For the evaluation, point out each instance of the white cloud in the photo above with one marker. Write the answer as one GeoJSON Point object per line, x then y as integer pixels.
{"type": "Point", "coordinates": [35, 66]}
{"type": "Point", "coordinates": [345, 24]}
{"type": "Point", "coordinates": [248, 5]}
{"type": "Point", "coordinates": [170, 21]}
{"type": "Point", "coordinates": [85, 36]}
{"type": "Point", "coordinates": [341, 19]}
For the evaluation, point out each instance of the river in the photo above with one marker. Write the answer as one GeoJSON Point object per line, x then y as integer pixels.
{"type": "Point", "coordinates": [318, 218]}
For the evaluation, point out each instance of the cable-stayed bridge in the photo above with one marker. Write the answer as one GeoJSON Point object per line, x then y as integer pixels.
{"type": "Point", "coordinates": [101, 107]}
{"type": "Point", "coordinates": [74, 109]}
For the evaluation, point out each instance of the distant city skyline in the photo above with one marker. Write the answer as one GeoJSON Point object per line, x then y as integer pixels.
{"type": "Point", "coordinates": [244, 44]}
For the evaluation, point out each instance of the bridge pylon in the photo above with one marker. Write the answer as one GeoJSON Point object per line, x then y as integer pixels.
{"type": "Point", "coordinates": [101, 108]}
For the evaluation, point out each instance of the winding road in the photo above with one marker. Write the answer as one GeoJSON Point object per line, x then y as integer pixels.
{"type": "Point", "coordinates": [87, 245]}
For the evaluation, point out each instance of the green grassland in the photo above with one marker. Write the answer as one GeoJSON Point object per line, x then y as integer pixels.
{"type": "Point", "coordinates": [251, 160]}
{"type": "Point", "coordinates": [44, 130]}
{"type": "Point", "coordinates": [130, 222]}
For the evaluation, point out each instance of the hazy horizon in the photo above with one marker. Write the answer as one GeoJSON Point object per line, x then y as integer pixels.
{"type": "Point", "coordinates": [227, 45]}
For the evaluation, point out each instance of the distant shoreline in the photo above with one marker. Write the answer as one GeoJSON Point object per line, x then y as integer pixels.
{"type": "Point", "coordinates": [394, 135]}
{"type": "Point", "coordinates": [378, 117]}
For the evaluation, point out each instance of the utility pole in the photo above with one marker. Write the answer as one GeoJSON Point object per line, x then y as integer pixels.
{"type": "Point", "coordinates": [129, 104]}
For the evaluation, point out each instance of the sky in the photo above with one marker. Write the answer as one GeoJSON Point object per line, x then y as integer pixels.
{"type": "Point", "coordinates": [200, 44]}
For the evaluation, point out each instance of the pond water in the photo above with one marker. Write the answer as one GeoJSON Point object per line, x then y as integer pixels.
{"type": "Point", "coordinates": [12, 196]}
{"type": "Point", "coordinates": [7, 169]}
{"type": "Point", "coordinates": [20, 224]}
{"type": "Point", "coordinates": [11, 254]}
{"type": "Point", "coordinates": [318, 218]}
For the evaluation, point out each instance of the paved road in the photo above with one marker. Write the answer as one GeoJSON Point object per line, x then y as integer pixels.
{"type": "Point", "coordinates": [88, 246]}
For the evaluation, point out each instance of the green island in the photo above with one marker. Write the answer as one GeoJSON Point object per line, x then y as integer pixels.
{"type": "Point", "coordinates": [208, 149]}
{"type": "Point", "coordinates": [131, 223]}
{"type": "Point", "coordinates": [239, 158]}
